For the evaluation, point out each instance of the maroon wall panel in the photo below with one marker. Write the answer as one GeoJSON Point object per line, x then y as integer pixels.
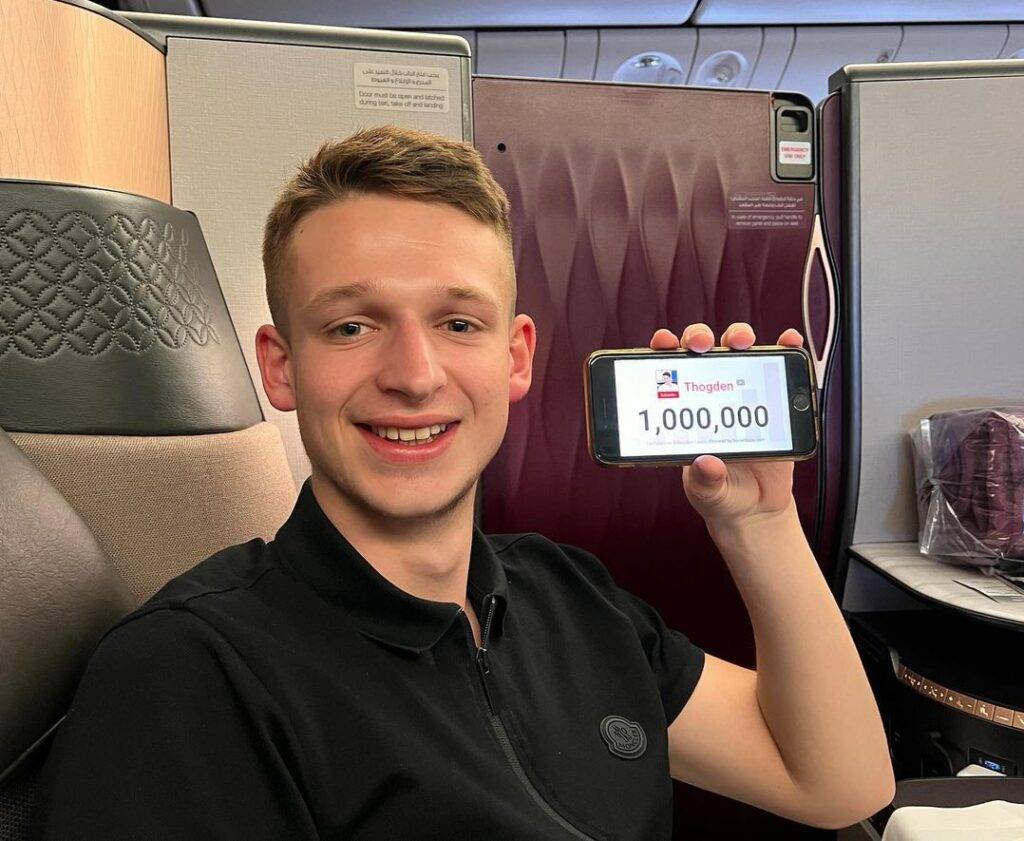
{"type": "Point", "coordinates": [629, 214]}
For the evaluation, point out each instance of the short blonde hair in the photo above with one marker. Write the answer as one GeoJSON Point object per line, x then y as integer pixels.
{"type": "Point", "coordinates": [385, 160]}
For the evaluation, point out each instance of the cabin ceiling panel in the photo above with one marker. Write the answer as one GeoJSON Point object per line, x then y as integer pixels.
{"type": "Point", "coordinates": [1014, 47]}
{"type": "Point", "coordinates": [737, 12]}
{"type": "Point", "coordinates": [540, 53]}
{"type": "Point", "coordinates": [951, 42]}
{"type": "Point", "coordinates": [445, 14]}
{"type": "Point", "coordinates": [776, 48]}
{"type": "Point", "coordinates": [580, 54]}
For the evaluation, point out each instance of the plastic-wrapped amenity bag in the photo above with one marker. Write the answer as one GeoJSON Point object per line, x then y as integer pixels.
{"type": "Point", "coordinates": [969, 469]}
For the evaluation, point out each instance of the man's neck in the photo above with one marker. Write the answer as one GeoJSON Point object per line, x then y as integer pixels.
{"type": "Point", "coordinates": [428, 559]}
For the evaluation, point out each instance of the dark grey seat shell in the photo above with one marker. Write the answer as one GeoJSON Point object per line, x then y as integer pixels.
{"type": "Point", "coordinates": [112, 320]}
{"type": "Point", "coordinates": [58, 595]}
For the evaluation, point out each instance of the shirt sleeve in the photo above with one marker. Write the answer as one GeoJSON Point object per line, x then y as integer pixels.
{"type": "Point", "coordinates": [171, 735]}
{"type": "Point", "coordinates": [675, 661]}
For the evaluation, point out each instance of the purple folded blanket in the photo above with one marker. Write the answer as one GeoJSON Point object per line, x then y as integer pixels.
{"type": "Point", "coordinates": [969, 468]}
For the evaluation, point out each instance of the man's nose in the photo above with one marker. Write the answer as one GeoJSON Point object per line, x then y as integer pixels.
{"type": "Point", "coordinates": [411, 365]}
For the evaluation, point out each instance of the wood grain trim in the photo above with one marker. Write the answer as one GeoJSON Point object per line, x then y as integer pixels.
{"type": "Point", "coordinates": [83, 100]}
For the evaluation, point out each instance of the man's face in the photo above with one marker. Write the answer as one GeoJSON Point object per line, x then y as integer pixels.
{"type": "Point", "coordinates": [399, 323]}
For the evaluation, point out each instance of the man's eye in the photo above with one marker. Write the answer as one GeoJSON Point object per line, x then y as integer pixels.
{"type": "Point", "coordinates": [350, 329]}
{"type": "Point", "coordinates": [458, 325]}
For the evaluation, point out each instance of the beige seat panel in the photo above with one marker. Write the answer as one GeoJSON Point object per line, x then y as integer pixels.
{"type": "Point", "coordinates": [159, 505]}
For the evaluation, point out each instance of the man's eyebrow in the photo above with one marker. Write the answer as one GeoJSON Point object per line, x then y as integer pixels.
{"type": "Point", "coordinates": [469, 293]}
{"type": "Point", "coordinates": [360, 289]}
{"type": "Point", "coordinates": [345, 292]}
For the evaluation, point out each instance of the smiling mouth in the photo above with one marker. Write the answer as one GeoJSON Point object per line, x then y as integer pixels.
{"type": "Point", "coordinates": [410, 437]}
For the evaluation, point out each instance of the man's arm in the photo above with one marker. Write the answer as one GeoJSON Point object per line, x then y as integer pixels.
{"type": "Point", "coordinates": [801, 736]}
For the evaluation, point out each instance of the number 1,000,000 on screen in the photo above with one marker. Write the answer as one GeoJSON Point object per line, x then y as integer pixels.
{"type": "Point", "coordinates": [744, 417]}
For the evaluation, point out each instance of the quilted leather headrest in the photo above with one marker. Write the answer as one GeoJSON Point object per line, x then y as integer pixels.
{"type": "Point", "coordinates": [111, 318]}
{"type": "Point", "coordinates": [58, 595]}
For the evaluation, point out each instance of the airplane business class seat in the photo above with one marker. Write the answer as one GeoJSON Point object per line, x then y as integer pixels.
{"type": "Point", "coordinates": [59, 594]}
{"type": "Point", "coordinates": [124, 382]}
{"type": "Point", "coordinates": [120, 367]}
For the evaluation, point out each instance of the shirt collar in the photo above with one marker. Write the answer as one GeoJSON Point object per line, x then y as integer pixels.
{"type": "Point", "coordinates": [310, 547]}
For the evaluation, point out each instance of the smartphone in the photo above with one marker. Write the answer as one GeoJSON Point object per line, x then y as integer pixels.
{"type": "Point", "coordinates": [657, 407]}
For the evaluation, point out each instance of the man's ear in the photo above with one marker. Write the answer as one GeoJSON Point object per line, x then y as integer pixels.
{"type": "Point", "coordinates": [521, 344]}
{"type": "Point", "coordinates": [275, 360]}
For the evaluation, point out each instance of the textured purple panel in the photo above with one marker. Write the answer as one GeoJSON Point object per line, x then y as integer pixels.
{"type": "Point", "coordinates": [620, 198]}
{"type": "Point", "coordinates": [627, 217]}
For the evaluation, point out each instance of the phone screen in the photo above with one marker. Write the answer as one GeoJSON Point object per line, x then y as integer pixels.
{"type": "Point", "coordinates": [690, 406]}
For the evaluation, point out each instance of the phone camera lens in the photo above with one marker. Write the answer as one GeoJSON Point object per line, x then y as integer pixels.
{"type": "Point", "coordinates": [801, 401]}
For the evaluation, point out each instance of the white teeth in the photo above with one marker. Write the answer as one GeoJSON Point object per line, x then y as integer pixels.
{"type": "Point", "coordinates": [409, 435]}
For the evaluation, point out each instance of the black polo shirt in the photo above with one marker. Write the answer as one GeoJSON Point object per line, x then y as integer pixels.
{"type": "Point", "coordinates": [288, 690]}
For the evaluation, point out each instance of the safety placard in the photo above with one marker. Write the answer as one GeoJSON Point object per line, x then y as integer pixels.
{"type": "Point", "coordinates": [398, 87]}
{"type": "Point", "coordinates": [767, 209]}
{"type": "Point", "coordinates": [794, 152]}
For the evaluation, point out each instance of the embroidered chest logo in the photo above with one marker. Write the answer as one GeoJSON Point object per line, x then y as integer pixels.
{"type": "Point", "coordinates": [624, 738]}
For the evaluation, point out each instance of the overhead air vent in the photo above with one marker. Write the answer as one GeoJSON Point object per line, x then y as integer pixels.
{"type": "Point", "coordinates": [652, 69]}
{"type": "Point", "coordinates": [722, 69]}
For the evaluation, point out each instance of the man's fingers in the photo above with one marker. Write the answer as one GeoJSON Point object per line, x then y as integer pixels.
{"type": "Point", "coordinates": [697, 337]}
{"type": "Point", "coordinates": [739, 335]}
{"type": "Point", "coordinates": [664, 340]}
{"type": "Point", "coordinates": [791, 338]}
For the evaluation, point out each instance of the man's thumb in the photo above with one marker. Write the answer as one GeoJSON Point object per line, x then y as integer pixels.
{"type": "Point", "coordinates": [707, 478]}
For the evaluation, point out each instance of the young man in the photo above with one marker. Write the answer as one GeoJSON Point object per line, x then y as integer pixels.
{"type": "Point", "coordinates": [382, 670]}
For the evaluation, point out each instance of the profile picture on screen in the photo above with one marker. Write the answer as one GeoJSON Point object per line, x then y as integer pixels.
{"type": "Point", "coordinates": [668, 383]}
